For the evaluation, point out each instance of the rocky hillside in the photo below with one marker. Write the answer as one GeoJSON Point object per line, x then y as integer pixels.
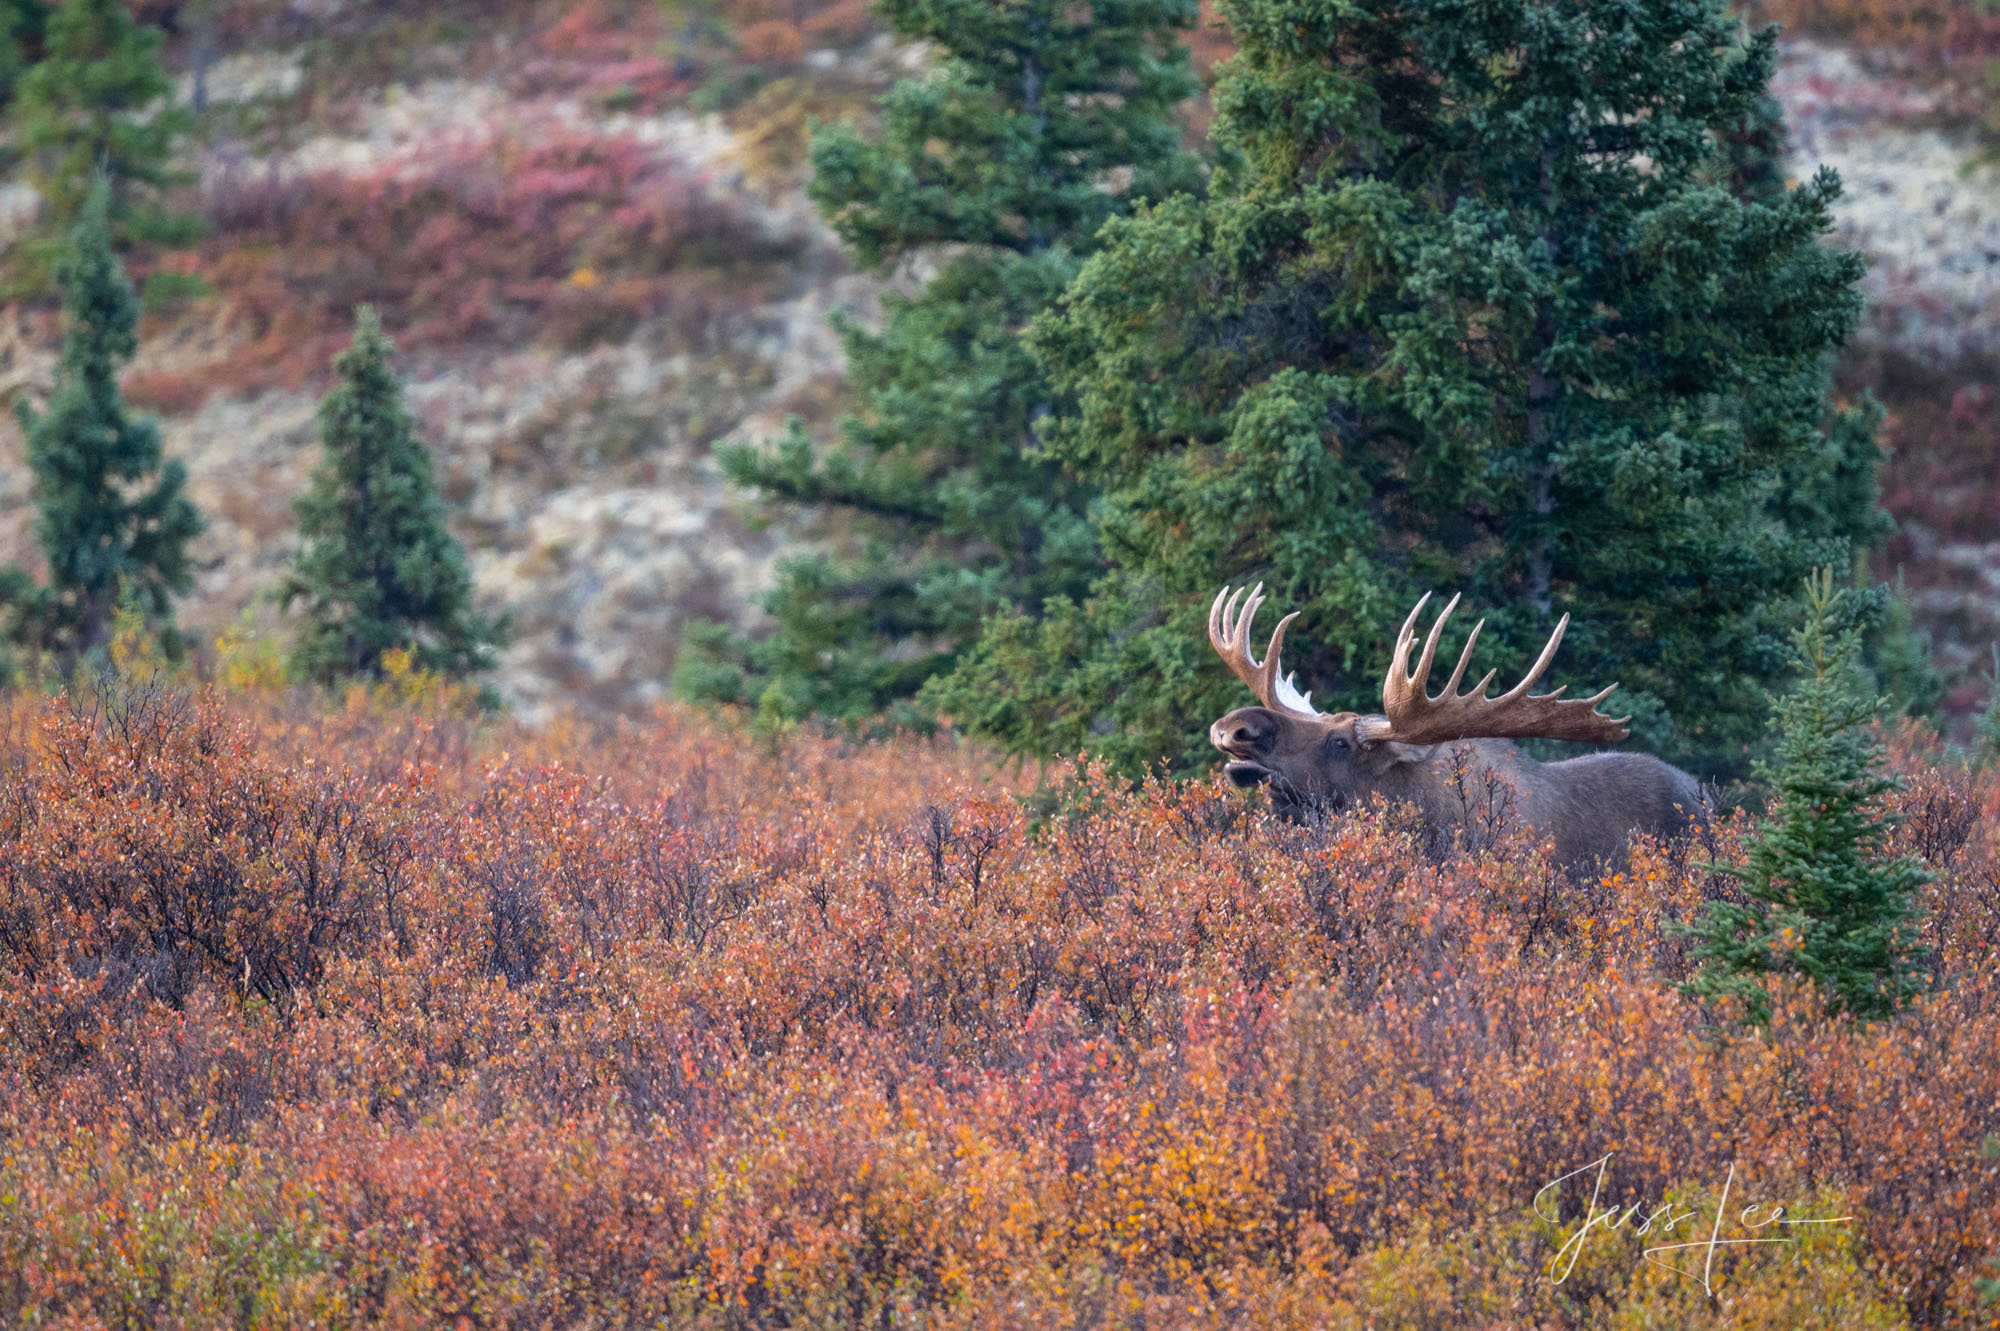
{"type": "Point", "coordinates": [585, 225]}
{"type": "Point", "coordinates": [1925, 210]}
{"type": "Point", "coordinates": [452, 174]}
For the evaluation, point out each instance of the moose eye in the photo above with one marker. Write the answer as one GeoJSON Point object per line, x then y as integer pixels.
{"type": "Point", "coordinates": [1340, 746]}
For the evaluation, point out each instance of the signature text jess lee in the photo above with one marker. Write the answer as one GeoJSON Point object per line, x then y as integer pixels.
{"type": "Point", "coordinates": [1755, 1223]}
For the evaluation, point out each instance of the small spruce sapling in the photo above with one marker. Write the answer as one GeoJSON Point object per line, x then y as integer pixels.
{"type": "Point", "coordinates": [1822, 901]}
{"type": "Point", "coordinates": [378, 571]}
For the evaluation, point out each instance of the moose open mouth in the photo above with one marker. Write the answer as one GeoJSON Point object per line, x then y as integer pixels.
{"type": "Point", "coordinates": [1244, 775]}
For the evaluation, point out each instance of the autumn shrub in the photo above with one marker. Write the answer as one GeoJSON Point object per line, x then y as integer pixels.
{"type": "Point", "coordinates": [361, 1011]}
{"type": "Point", "coordinates": [1650, 1271]}
{"type": "Point", "coordinates": [774, 44]}
{"type": "Point", "coordinates": [546, 233]}
{"type": "Point", "coordinates": [840, 24]}
{"type": "Point", "coordinates": [1931, 31]}
{"type": "Point", "coordinates": [615, 52]}
{"type": "Point", "coordinates": [1947, 438]}
{"type": "Point", "coordinates": [1942, 437]}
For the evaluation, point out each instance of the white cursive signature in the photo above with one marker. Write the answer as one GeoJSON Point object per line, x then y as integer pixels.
{"type": "Point", "coordinates": [1664, 1221]}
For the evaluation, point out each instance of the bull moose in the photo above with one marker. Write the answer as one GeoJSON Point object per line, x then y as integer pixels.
{"type": "Point", "coordinates": [1429, 751]}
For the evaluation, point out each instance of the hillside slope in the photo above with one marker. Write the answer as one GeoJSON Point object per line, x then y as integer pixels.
{"type": "Point", "coordinates": [591, 281]}
{"type": "Point", "coordinates": [585, 225]}
{"type": "Point", "coordinates": [1928, 220]}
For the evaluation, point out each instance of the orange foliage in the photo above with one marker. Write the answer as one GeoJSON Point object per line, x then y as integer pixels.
{"type": "Point", "coordinates": [840, 24]}
{"type": "Point", "coordinates": [773, 43]}
{"type": "Point", "coordinates": [378, 1015]}
{"type": "Point", "coordinates": [775, 33]}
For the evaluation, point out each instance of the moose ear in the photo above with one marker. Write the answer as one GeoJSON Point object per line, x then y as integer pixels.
{"type": "Point", "coordinates": [1387, 753]}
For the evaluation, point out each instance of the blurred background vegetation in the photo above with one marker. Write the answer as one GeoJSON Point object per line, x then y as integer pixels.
{"type": "Point", "coordinates": [613, 262]}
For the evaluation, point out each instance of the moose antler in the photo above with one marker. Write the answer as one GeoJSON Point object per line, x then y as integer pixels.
{"type": "Point", "coordinates": [1412, 716]}
{"type": "Point", "coordinates": [1229, 634]}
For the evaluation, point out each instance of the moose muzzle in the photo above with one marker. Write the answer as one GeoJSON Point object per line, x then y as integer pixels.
{"type": "Point", "coordinates": [1246, 735]}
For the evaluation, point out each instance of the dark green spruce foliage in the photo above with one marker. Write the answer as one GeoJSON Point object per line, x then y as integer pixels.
{"type": "Point", "coordinates": [1483, 309]}
{"type": "Point", "coordinates": [1752, 160]}
{"type": "Point", "coordinates": [22, 23]}
{"type": "Point", "coordinates": [97, 102]}
{"type": "Point", "coordinates": [113, 518]}
{"type": "Point", "coordinates": [1042, 119]}
{"type": "Point", "coordinates": [1822, 903]}
{"type": "Point", "coordinates": [378, 570]}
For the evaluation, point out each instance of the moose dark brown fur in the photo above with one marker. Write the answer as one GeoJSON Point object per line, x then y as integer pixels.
{"type": "Point", "coordinates": [1450, 754]}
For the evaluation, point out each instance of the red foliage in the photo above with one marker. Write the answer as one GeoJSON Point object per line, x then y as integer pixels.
{"type": "Point", "coordinates": [1942, 32]}
{"type": "Point", "coordinates": [376, 1017]}
{"type": "Point", "coordinates": [608, 53]}
{"type": "Point", "coordinates": [1944, 455]}
{"type": "Point", "coordinates": [591, 31]}
{"type": "Point", "coordinates": [553, 234]}
{"type": "Point", "coordinates": [1941, 482]}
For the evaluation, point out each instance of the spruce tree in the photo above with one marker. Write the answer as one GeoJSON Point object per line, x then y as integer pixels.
{"type": "Point", "coordinates": [22, 23]}
{"type": "Point", "coordinates": [1822, 903]}
{"type": "Point", "coordinates": [378, 570]}
{"type": "Point", "coordinates": [113, 518]}
{"type": "Point", "coordinates": [1491, 300]}
{"type": "Point", "coordinates": [97, 103]}
{"type": "Point", "coordinates": [1040, 120]}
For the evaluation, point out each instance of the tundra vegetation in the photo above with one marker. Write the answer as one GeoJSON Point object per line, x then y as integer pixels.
{"type": "Point", "coordinates": [371, 1008]}
{"type": "Point", "coordinates": [389, 1015]}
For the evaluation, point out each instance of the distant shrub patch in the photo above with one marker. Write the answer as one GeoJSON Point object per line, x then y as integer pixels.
{"type": "Point", "coordinates": [473, 240]}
